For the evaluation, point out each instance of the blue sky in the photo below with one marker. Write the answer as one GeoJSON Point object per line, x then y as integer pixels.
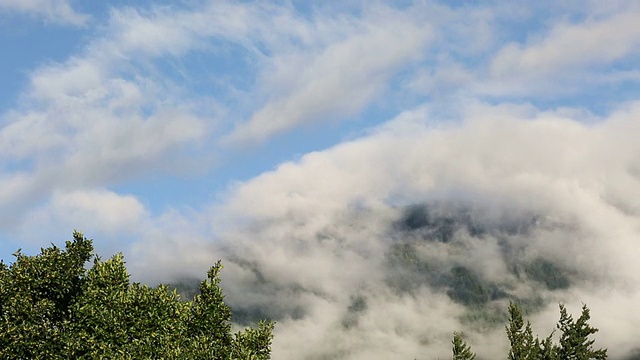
{"type": "Point", "coordinates": [180, 133]}
{"type": "Point", "coordinates": [166, 106]}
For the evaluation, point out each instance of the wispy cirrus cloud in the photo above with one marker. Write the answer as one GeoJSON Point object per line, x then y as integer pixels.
{"type": "Point", "coordinates": [557, 61]}
{"type": "Point", "coordinates": [107, 114]}
{"type": "Point", "coordinates": [94, 120]}
{"type": "Point", "coordinates": [53, 11]}
{"type": "Point", "coordinates": [322, 81]}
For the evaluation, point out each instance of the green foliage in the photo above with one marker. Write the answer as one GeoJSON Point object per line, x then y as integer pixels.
{"type": "Point", "coordinates": [574, 343]}
{"type": "Point", "coordinates": [52, 307]}
{"type": "Point", "coordinates": [523, 346]}
{"type": "Point", "coordinates": [467, 288]}
{"type": "Point", "coordinates": [545, 272]}
{"type": "Point", "coordinates": [461, 351]}
{"type": "Point", "coordinates": [253, 344]}
{"type": "Point", "coordinates": [547, 350]}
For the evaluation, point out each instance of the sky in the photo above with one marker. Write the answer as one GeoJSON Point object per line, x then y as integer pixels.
{"type": "Point", "coordinates": [182, 132]}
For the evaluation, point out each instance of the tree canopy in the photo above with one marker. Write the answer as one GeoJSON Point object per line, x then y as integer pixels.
{"type": "Point", "coordinates": [53, 307]}
{"type": "Point", "coordinates": [523, 345]}
{"type": "Point", "coordinates": [574, 342]}
{"type": "Point", "coordinates": [461, 351]}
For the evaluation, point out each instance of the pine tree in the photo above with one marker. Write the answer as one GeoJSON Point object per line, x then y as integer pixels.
{"type": "Point", "coordinates": [523, 345]}
{"type": "Point", "coordinates": [461, 351]}
{"type": "Point", "coordinates": [547, 350]}
{"type": "Point", "coordinates": [574, 341]}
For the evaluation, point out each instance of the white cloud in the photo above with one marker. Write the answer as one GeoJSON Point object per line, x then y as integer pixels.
{"type": "Point", "coordinates": [318, 229]}
{"type": "Point", "coordinates": [99, 210]}
{"type": "Point", "coordinates": [95, 138]}
{"type": "Point", "coordinates": [334, 79]}
{"type": "Point", "coordinates": [110, 217]}
{"type": "Point", "coordinates": [160, 31]}
{"type": "Point", "coordinates": [94, 120]}
{"type": "Point", "coordinates": [77, 78]}
{"type": "Point", "coordinates": [565, 53]}
{"type": "Point", "coordinates": [570, 45]}
{"type": "Point", "coordinates": [168, 30]}
{"type": "Point", "coordinates": [171, 245]}
{"type": "Point", "coordinates": [107, 115]}
{"type": "Point", "coordinates": [54, 11]}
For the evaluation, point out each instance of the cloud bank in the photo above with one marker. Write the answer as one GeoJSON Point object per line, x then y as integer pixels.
{"type": "Point", "coordinates": [311, 241]}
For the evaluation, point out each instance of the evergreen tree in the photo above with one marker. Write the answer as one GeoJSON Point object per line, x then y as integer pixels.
{"type": "Point", "coordinates": [574, 341]}
{"type": "Point", "coordinates": [547, 350]}
{"type": "Point", "coordinates": [523, 345]}
{"type": "Point", "coordinates": [461, 351]}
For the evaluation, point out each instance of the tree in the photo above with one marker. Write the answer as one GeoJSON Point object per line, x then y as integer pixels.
{"type": "Point", "coordinates": [548, 351]}
{"type": "Point", "coordinates": [574, 341]}
{"type": "Point", "coordinates": [523, 345]}
{"type": "Point", "coordinates": [52, 307]}
{"type": "Point", "coordinates": [461, 351]}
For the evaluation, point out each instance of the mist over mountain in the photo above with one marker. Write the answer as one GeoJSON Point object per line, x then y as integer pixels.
{"type": "Point", "coordinates": [383, 246]}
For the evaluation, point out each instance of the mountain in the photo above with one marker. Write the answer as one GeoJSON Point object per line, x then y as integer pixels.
{"type": "Point", "coordinates": [409, 276]}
